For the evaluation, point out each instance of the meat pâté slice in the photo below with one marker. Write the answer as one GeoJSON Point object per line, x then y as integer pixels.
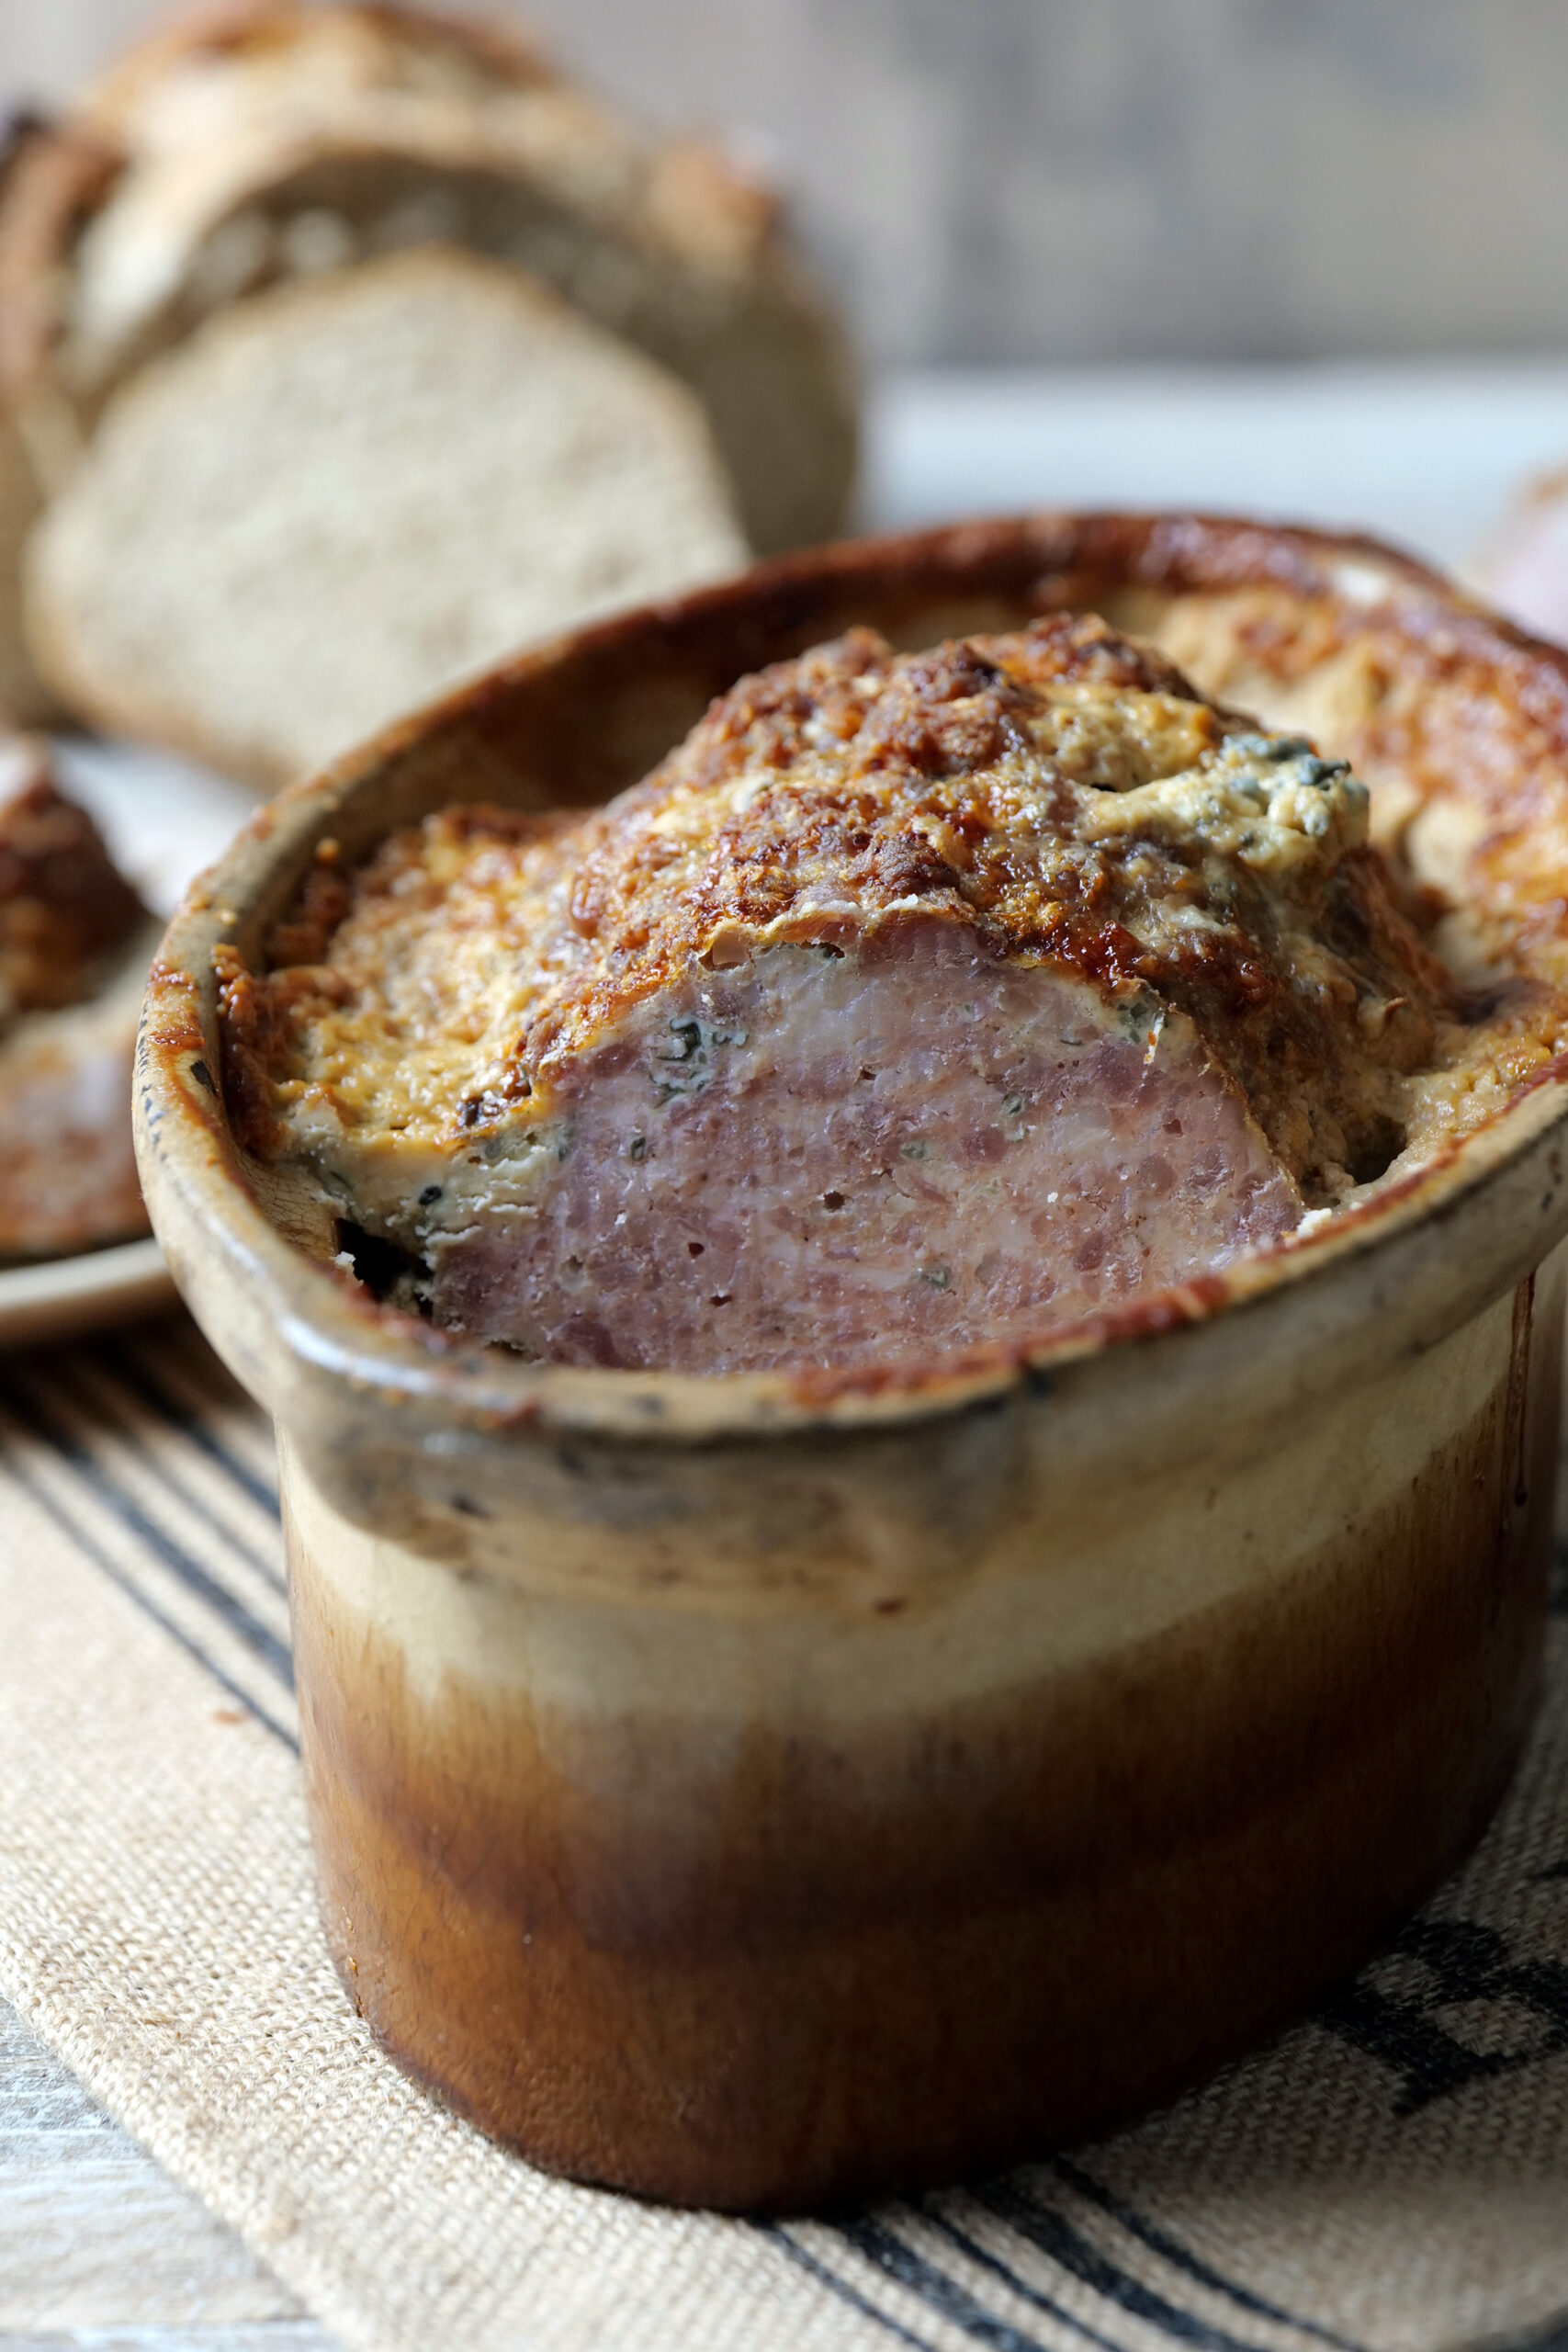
{"type": "Point", "coordinates": [917, 1001]}
{"type": "Point", "coordinates": [75, 945]}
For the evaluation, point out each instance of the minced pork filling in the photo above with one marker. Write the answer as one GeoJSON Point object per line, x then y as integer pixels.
{"type": "Point", "coordinates": [918, 1001]}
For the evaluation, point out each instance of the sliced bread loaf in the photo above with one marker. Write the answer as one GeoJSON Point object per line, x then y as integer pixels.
{"type": "Point", "coordinates": [337, 499]}
{"type": "Point", "coordinates": [46, 181]}
{"type": "Point", "coordinates": [25, 700]}
{"type": "Point", "coordinates": [276, 138]}
{"type": "Point", "coordinates": [180, 62]}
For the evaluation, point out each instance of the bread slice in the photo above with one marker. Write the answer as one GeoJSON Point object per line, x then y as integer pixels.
{"type": "Point", "coordinates": [281, 138]}
{"type": "Point", "coordinates": [46, 183]}
{"type": "Point", "coordinates": [339, 498]}
{"type": "Point", "coordinates": [25, 700]}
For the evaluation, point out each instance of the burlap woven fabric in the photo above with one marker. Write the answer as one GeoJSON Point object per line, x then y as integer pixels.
{"type": "Point", "coordinates": [1393, 2172]}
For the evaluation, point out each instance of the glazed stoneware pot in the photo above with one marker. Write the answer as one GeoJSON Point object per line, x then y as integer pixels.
{"type": "Point", "coordinates": [753, 1791]}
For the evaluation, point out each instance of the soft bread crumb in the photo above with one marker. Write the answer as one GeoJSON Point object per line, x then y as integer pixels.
{"type": "Point", "coordinates": [236, 154]}
{"type": "Point", "coordinates": [343, 497]}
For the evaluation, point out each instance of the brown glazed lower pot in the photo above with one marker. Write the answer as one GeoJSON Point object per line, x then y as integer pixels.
{"type": "Point", "coordinates": [751, 1792]}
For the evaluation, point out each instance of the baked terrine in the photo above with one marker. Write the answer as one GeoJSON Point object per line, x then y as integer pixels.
{"type": "Point", "coordinates": [918, 1000]}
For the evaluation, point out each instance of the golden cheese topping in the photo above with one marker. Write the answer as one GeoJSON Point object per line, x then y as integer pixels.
{"type": "Point", "coordinates": [916, 1002]}
{"type": "Point", "coordinates": [1063, 791]}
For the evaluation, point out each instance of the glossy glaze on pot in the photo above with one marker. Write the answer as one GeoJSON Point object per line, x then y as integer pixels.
{"type": "Point", "coordinates": [749, 1790]}
{"type": "Point", "coordinates": [742, 1897]}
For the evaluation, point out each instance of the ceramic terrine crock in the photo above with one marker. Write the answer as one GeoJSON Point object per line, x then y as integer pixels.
{"type": "Point", "coordinates": [751, 1791]}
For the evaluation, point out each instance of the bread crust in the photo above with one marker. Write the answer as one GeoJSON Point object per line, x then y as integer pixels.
{"type": "Point", "coordinates": [667, 245]}
{"type": "Point", "coordinates": [225, 28]}
{"type": "Point", "coordinates": [1015, 1462]}
{"type": "Point", "coordinates": [57, 177]}
{"type": "Point", "coordinates": [692, 533]}
{"type": "Point", "coordinates": [43, 179]}
{"type": "Point", "coordinates": [1174, 945]}
{"type": "Point", "coordinates": [831, 793]}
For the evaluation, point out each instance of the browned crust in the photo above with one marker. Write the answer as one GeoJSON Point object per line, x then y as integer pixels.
{"type": "Point", "coordinates": [1115, 1883]}
{"type": "Point", "coordinates": [221, 28]}
{"type": "Point", "coordinates": [574, 722]}
{"type": "Point", "coordinates": [700, 220]}
{"type": "Point", "coordinates": [912, 809]}
{"type": "Point", "coordinates": [54, 178]}
{"type": "Point", "coordinates": [64, 905]}
{"type": "Point", "coordinates": [1483, 714]}
{"type": "Point", "coordinates": [57, 179]}
{"type": "Point", "coordinates": [256, 1033]}
{"type": "Point", "coordinates": [18, 130]}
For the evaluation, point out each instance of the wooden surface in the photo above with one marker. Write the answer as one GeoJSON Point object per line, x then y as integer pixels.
{"type": "Point", "coordinates": [101, 2250]}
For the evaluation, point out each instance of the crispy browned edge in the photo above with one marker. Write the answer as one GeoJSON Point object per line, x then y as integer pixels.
{"type": "Point", "coordinates": [543, 716]}
{"type": "Point", "coordinates": [55, 175]}
{"type": "Point", "coordinates": [214, 26]}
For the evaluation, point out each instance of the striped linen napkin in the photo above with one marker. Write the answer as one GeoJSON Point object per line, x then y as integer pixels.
{"type": "Point", "coordinates": [1392, 2173]}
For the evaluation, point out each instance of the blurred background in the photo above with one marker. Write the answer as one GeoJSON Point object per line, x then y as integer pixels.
{"type": "Point", "coordinates": [1363, 209]}
{"type": "Point", "coordinates": [1047, 180]}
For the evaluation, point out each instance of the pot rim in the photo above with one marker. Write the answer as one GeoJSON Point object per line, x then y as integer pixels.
{"type": "Point", "coordinates": [195, 1178]}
